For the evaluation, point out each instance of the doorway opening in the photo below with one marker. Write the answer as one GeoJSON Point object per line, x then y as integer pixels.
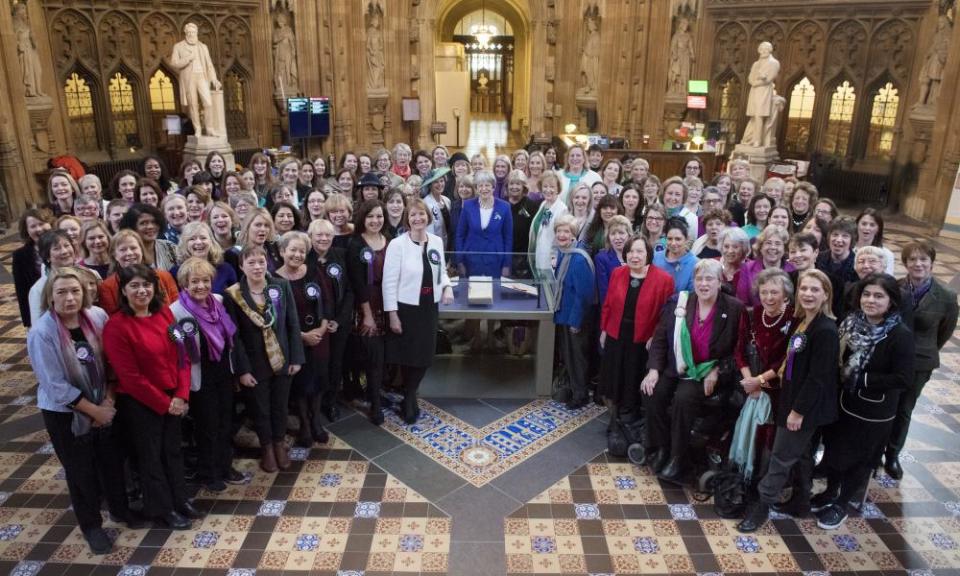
{"type": "Point", "coordinates": [488, 42]}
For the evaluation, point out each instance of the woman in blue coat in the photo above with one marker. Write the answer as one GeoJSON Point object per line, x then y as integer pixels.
{"type": "Point", "coordinates": [575, 300]}
{"type": "Point", "coordinates": [485, 230]}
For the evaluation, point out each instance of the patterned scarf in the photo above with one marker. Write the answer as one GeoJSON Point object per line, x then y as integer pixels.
{"type": "Point", "coordinates": [918, 291]}
{"type": "Point", "coordinates": [84, 365]}
{"type": "Point", "coordinates": [270, 342]}
{"type": "Point", "coordinates": [860, 337]}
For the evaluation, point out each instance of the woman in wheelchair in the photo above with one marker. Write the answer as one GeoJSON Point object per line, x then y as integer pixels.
{"type": "Point", "coordinates": [690, 362]}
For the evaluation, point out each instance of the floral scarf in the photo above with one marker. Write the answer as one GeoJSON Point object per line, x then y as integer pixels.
{"type": "Point", "coordinates": [860, 337]}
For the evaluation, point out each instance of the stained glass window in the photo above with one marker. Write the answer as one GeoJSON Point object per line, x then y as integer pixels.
{"type": "Point", "coordinates": [79, 100]}
{"type": "Point", "coordinates": [162, 97]}
{"type": "Point", "coordinates": [234, 94]}
{"type": "Point", "coordinates": [123, 110]}
{"type": "Point", "coordinates": [800, 116]}
{"type": "Point", "coordinates": [883, 122]}
{"type": "Point", "coordinates": [842, 103]}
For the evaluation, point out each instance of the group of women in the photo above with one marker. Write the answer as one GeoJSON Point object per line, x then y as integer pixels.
{"type": "Point", "coordinates": [278, 287]}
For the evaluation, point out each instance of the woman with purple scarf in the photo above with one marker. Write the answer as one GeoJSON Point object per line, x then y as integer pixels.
{"type": "Point", "coordinates": [209, 336]}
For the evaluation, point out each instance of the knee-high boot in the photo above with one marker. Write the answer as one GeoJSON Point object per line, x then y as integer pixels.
{"type": "Point", "coordinates": [304, 435]}
{"type": "Point", "coordinates": [316, 425]}
{"type": "Point", "coordinates": [411, 411]}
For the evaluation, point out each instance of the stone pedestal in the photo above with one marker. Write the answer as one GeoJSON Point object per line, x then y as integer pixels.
{"type": "Point", "coordinates": [377, 116]}
{"type": "Point", "coordinates": [587, 111]}
{"type": "Point", "coordinates": [922, 119]}
{"type": "Point", "coordinates": [674, 110]}
{"type": "Point", "coordinates": [759, 158]}
{"type": "Point", "coordinates": [197, 148]}
{"type": "Point", "coordinates": [39, 109]}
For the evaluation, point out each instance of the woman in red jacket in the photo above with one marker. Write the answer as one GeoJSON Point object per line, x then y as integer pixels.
{"type": "Point", "coordinates": [630, 313]}
{"type": "Point", "coordinates": [145, 348]}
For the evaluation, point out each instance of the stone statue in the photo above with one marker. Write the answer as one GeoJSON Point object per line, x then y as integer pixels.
{"type": "Point", "coordinates": [590, 56]}
{"type": "Point", "coordinates": [196, 73]}
{"type": "Point", "coordinates": [284, 57]}
{"type": "Point", "coordinates": [681, 58]}
{"type": "Point", "coordinates": [760, 102]}
{"type": "Point", "coordinates": [931, 74]}
{"type": "Point", "coordinates": [772, 124]}
{"type": "Point", "coordinates": [375, 56]}
{"type": "Point", "coordinates": [27, 52]}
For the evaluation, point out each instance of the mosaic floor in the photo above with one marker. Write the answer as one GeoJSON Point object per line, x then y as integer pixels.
{"type": "Point", "coordinates": [477, 487]}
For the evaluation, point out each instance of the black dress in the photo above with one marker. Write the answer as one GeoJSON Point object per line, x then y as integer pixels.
{"type": "Point", "coordinates": [417, 344]}
{"type": "Point", "coordinates": [624, 361]}
{"type": "Point", "coordinates": [313, 377]}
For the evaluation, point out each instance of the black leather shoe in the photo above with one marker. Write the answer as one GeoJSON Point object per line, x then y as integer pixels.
{"type": "Point", "coordinates": [174, 521]}
{"type": "Point", "coordinates": [795, 508]}
{"type": "Point", "coordinates": [332, 412]}
{"type": "Point", "coordinates": [576, 404]}
{"type": "Point", "coordinates": [892, 465]}
{"type": "Point", "coordinates": [98, 541]}
{"type": "Point", "coordinates": [376, 417]}
{"type": "Point", "coordinates": [658, 460]}
{"type": "Point", "coordinates": [234, 476]}
{"type": "Point", "coordinates": [755, 518]}
{"type": "Point", "coordinates": [672, 472]}
{"type": "Point", "coordinates": [823, 499]}
{"type": "Point", "coordinates": [131, 518]}
{"type": "Point", "coordinates": [187, 510]}
{"type": "Point", "coordinates": [637, 454]}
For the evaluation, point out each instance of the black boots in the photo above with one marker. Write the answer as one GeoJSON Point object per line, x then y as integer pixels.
{"type": "Point", "coordinates": [891, 464]}
{"type": "Point", "coordinates": [756, 517]}
{"type": "Point", "coordinates": [319, 433]}
{"type": "Point", "coordinates": [304, 435]}
{"type": "Point", "coordinates": [411, 411]}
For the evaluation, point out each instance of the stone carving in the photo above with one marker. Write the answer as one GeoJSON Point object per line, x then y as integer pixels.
{"type": "Point", "coordinates": [773, 123]}
{"type": "Point", "coordinates": [551, 32]}
{"type": "Point", "coordinates": [236, 44]}
{"type": "Point", "coordinates": [196, 73]}
{"type": "Point", "coordinates": [730, 50]}
{"type": "Point", "coordinates": [803, 50]}
{"type": "Point", "coordinates": [685, 8]}
{"type": "Point", "coordinates": [931, 74]}
{"type": "Point", "coordinates": [118, 40]}
{"type": "Point", "coordinates": [892, 50]}
{"type": "Point", "coordinates": [847, 50]}
{"type": "Point", "coordinates": [681, 58]}
{"type": "Point", "coordinates": [159, 34]}
{"type": "Point", "coordinates": [284, 57]}
{"type": "Point", "coordinates": [768, 31]}
{"type": "Point", "coordinates": [30, 69]}
{"type": "Point", "coordinates": [590, 54]}
{"type": "Point", "coordinates": [375, 55]}
{"type": "Point", "coordinates": [72, 37]}
{"type": "Point", "coordinates": [760, 102]}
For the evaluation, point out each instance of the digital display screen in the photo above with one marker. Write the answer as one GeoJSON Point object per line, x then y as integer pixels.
{"type": "Point", "coordinates": [298, 112]}
{"type": "Point", "coordinates": [697, 102]}
{"type": "Point", "coordinates": [698, 86]}
{"type": "Point", "coordinates": [319, 117]}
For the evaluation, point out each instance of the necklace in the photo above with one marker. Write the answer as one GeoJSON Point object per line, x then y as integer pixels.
{"type": "Point", "coordinates": [763, 318]}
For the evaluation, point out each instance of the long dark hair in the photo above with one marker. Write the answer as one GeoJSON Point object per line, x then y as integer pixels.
{"type": "Point", "coordinates": [875, 214]}
{"type": "Point", "coordinates": [127, 274]}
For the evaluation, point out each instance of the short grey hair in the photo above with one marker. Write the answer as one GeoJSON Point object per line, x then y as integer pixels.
{"type": "Point", "coordinates": [484, 177]}
{"type": "Point", "coordinates": [738, 236]}
{"type": "Point", "coordinates": [774, 275]}
{"type": "Point", "coordinates": [708, 266]}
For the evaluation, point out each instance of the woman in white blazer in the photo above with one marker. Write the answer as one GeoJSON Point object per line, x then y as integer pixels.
{"type": "Point", "coordinates": [415, 281]}
{"type": "Point", "coordinates": [576, 171]}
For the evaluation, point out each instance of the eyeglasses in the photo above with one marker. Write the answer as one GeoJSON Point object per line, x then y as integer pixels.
{"type": "Point", "coordinates": [654, 219]}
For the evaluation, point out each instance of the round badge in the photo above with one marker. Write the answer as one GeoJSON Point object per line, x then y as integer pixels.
{"type": "Point", "coordinates": [313, 291]}
{"type": "Point", "coordinates": [189, 327]}
{"type": "Point", "coordinates": [84, 352]}
{"type": "Point", "coordinates": [274, 293]}
{"type": "Point", "coordinates": [334, 271]}
{"type": "Point", "coordinates": [366, 255]}
{"type": "Point", "coordinates": [434, 257]}
{"type": "Point", "coordinates": [634, 282]}
{"type": "Point", "coordinates": [309, 320]}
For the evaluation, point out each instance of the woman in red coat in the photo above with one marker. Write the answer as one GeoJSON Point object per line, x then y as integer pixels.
{"type": "Point", "coordinates": [631, 310]}
{"type": "Point", "coordinates": [145, 348]}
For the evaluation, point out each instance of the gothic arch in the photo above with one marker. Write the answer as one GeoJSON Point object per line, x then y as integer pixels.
{"type": "Point", "coordinates": [236, 44]}
{"type": "Point", "coordinates": [891, 51]}
{"type": "Point", "coordinates": [730, 50]}
{"type": "Point", "coordinates": [770, 31]}
{"type": "Point", "coordinates": [119, 40]}
{"type": "Point", "coordinates": [126, 111]}
{"type": "Point", "coordinates": [159, 33]}
{"type": "Point", "coordinates": [83, 118]}
{"type": "Point", "coordinates": [804, 50]}
{"type": "Point", "coordinates": [848, 50]}
{"type": "Point", "coordinates": [73, 39]}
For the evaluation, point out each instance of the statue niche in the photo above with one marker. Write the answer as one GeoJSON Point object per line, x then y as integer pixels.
{"type": "Point", "coordinates": [931, 74]}
{"type": "Point", "coordinates": [590, 53]}
{"type": "Point", "coordinates": [284, 56]}
{"type": "Point", "coordinates": [30, 70]}
{"type": "Point", "coordinates": [374, 51]}
{"type": "Point", "coordinates": [681, 58]}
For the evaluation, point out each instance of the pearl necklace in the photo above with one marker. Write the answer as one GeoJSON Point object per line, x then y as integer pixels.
{"type": "Point", "coordinates": [763, 318]}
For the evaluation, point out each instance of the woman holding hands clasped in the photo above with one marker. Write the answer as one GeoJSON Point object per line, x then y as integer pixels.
{"type": "Point", "coordinates": [414, 281]}
{"type": "Point", "coordinates": [270, 351]}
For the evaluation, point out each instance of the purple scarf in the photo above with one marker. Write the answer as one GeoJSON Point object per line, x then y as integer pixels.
{"type": "Point", "coordinates": [217, 326]}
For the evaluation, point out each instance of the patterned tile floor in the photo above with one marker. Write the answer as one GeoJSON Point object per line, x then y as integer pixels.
{"type": "Point", "coordinates": [388, 501]}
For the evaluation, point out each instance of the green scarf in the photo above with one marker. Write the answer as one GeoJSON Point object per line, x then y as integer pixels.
{"type": "Point", "coordinates": [683, 346]}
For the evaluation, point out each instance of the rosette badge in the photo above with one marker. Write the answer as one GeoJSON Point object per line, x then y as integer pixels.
{"type": "Point", "coordinates": [84, 352]}
{"type": "Point", "coordinates": [175, 333]}
{"type": "Point", "coordinates": [313, 291]}
{"type": "Point", "coordinates": [334, 271]}
{"type": "Point", "coordinates": [189, 328]}
{"type": "Point", "coordinates": [366, 255]}
{"type": "Point", "coordinates": [434, 256]}
{"type": "Point", "coordinates": [274, 293]}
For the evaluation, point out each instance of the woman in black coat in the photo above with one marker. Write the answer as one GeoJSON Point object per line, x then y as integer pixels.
{"type": "Point", "coordinates": [877, 354]}
{"type": "Point", "coordinates": [27, 265]}
{"type": "Point", "coordinates": [808, 400]}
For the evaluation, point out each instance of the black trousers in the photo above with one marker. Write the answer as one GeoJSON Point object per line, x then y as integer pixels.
{"type": "Point", "coordinates": [338, 350]}
{"type": "Point", "coordinates": [789, 449]}
{"type": "Point", "coordinates": [212, 409]}
{"type": "Point", "coordinates": [411, 376]}
{"type": "Point", "coordinates": [156, 439]}
{"type": "Point", "coordinates": [94, 468]}
{"type": "Point", "coordinates": [671, 411]}
{"type": "Point", "coordinates": [574, 350]}
{"type": "Point", "coordinates": [374, 358]}
{"type": "Point", "coordinates": [908, 401]}
{"type": "Point", "coordinates": [268, 402]}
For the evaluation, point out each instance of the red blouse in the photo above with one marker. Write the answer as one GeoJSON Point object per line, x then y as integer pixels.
{"type": "Point", "coordinates": [146, 360]}
{"type": "Point", "coordinates": [771, 341]}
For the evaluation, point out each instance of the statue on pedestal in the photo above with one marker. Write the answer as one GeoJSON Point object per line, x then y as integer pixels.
{"type": "Point", "coordinates": [284, 57]}
{"type": "Point", "coordinates": [590, 56]}
{"type": "Point", "coordinates": [375, 56]}
{"type": "Point", "coordinates": [681, 58]}
{"type": "Point", "coordinates": [931, 74]}
{"type": "Point", "coordinates": [196, 73]}
{"type": "Point", "coordinates": [760, 102]}
{"type": "Point", "coordinates": [27, 52]}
